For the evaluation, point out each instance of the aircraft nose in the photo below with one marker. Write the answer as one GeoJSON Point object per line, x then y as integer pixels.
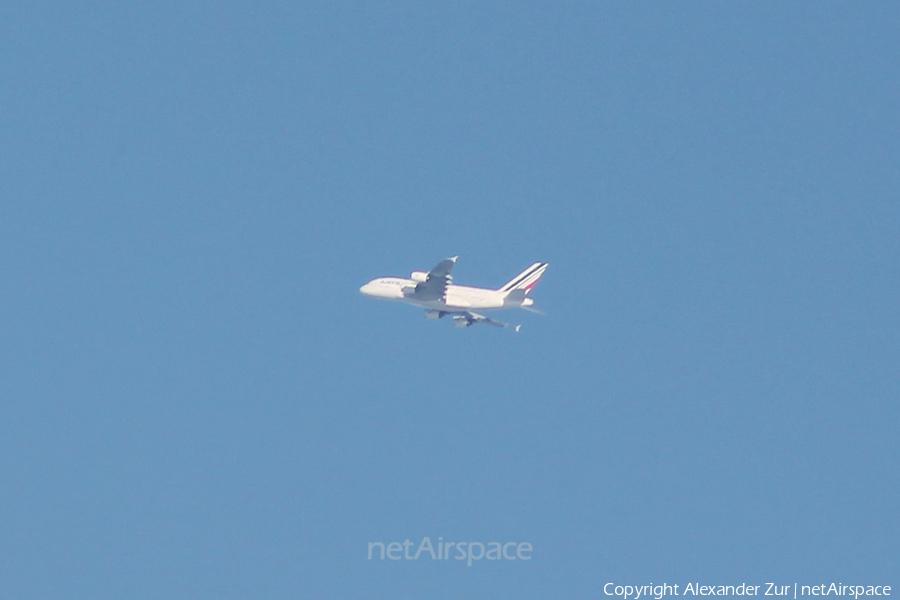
{"type": "Point", "coordinates": [366, 289]}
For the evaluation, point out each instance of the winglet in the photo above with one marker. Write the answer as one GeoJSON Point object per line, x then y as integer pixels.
{"type": "Point", "coordinates": [453, 258]}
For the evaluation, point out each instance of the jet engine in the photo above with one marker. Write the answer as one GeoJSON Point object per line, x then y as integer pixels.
{"type": "Point", "coordinates": [433, 314]}
{"type": "Point", "coordinates": [419, 276]}
{"type": "Point", "coordinates": [461, 321]}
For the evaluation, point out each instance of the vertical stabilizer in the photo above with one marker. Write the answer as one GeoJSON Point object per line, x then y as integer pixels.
{"type": "Point", "coordinates": [524, 281]}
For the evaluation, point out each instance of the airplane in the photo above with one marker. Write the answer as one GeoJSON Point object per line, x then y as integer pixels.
{"type": "Point", "coordinates": [433, 291]}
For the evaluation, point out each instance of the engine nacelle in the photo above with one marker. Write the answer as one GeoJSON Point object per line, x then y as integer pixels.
{"type": "Point", "coordinates": [461, 321]}
{"type": "Point", "coordinates": [419, 276]}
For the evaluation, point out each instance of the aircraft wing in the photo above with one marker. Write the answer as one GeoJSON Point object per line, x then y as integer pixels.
{"type": "Point", "coordinates": [464, 319]}
{"type": "Point", "coordinates": [435, 285]}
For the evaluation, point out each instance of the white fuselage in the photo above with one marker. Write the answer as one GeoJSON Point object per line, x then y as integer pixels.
{"type": "Point", "coordinates": [457, 297]}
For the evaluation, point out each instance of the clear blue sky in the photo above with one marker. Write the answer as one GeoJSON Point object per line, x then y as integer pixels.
{"type": "Point", "coordinates": [196, 402]}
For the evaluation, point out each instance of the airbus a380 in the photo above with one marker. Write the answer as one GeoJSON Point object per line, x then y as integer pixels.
{"type": "Point", "coordinates": [433, 291]}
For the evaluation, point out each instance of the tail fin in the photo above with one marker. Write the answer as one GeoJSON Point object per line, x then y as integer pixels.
{"type": "Point", "coordinates": [526, 279]}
